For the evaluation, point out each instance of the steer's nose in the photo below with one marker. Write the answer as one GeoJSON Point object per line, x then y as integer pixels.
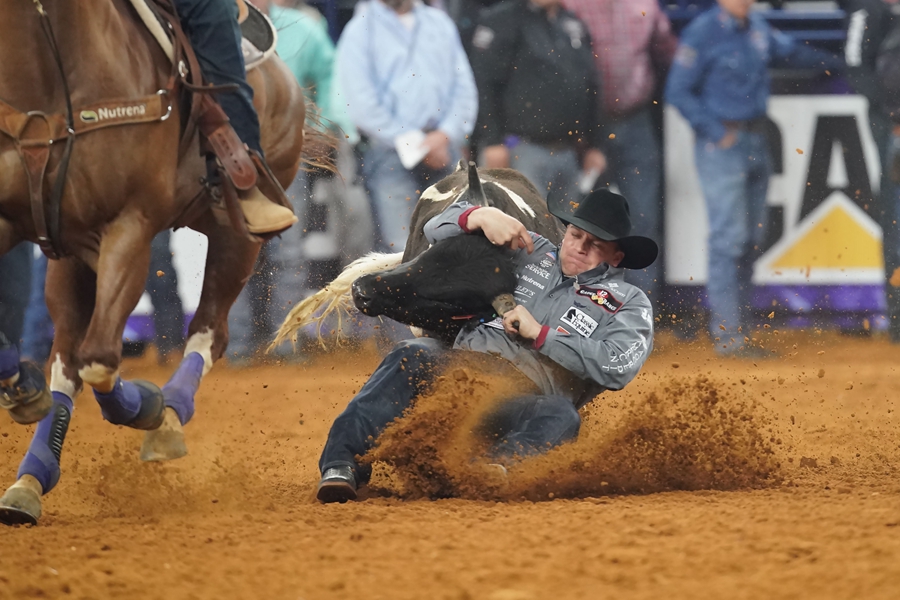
{"type": "Point", "coordinates": [362, 301]}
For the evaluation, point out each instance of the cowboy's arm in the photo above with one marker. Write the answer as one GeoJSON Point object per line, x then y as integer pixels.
{"type": "Point", "coordinates": [497, 226]}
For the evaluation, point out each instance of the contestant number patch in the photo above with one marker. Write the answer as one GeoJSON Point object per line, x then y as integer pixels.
{"type": "Point", "coordinates": [602, 298]}
{"type": "Point", "coordinates": [580, 321]}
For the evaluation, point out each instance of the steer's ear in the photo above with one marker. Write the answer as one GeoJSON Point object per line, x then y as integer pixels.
{"type": "Point", "coordinates": [476, 192]}
{"type": "Point", "coordinates": [462, 166]}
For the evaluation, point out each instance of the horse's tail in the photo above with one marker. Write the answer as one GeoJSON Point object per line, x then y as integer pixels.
{"type": "Point", "coordinates": [319, 141]}
{"type": "Point", "coordinates": [333, 298]}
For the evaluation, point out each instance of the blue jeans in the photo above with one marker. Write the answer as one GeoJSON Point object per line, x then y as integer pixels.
{"type": "Point", "coordinates": [636, 163]}
{"type": "Point", "coordinates": [37, 338]}
{"type": "Point", "coordinates": [15, 284]}
{"type": "Point", "coordinates": [734, 182]}
{"type": "Point", "coordinates": [522, 426]}
{"type": "Point", "coordinates": [168, 312]}
{"type": "Point", "coordinates": [394, 191]}
{"type": "Point", "coordinates": [548, 168]}
{"type": "Point", "coordinates": [212, 27]}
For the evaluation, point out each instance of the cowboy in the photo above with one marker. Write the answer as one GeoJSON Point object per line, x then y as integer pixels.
{"type": "Point", "coordinates": [577, 330]}
{"type": "Point", "coordinates": [215, 36]}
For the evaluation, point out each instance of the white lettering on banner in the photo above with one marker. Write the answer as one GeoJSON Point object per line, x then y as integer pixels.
{"type": "Point", "coordinates": [583, 323]}
{"type": "Point", "coordinates": [528, 279]}
{"type": "Point", "coordinates": [827, 154]}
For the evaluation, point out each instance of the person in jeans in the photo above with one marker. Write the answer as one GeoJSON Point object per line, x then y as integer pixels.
{"type": "Point", "coordinates": [633, 45]}
{"type": "Point", "coordinates": [719, 81]}
{"type": "Point", "coordinates": [400, 68]}
{"type": "Point", "coordinates": [539, 90]}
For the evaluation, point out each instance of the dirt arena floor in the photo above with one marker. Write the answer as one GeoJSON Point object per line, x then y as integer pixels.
{"type": "Point", "coordinates": [704, 479]}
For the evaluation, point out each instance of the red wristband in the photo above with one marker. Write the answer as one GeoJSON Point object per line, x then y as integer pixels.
{"type": "Point", "coordinates": [464, 218]}
{"type": "Point", "coordinates": [539, 340]}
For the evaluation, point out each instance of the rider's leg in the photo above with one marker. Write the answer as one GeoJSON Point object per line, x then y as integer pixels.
{"type": "Point", "coordinates": [216, 39]}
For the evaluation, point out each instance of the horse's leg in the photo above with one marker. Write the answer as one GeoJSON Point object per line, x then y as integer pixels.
{"type": "Point", "coordinates": [229, 262]}
{"type": "Point", "coordinates": [121, 277]}
{"type": "Point", "coordinates": [70, 299]}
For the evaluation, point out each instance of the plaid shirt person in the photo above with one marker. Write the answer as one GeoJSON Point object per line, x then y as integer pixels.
{"type": "Point", "coordinates": [630, 38]}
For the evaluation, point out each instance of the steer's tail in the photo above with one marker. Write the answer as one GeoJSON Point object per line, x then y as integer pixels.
{"type": "Point", "coordinates": [334, 298]}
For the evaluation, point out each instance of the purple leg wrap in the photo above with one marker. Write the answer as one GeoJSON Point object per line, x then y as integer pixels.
{"type": "Point", "coordinates": [122, 404]}
{"type": "Point", "coordinates": [179, 392]}
{"type": "Point", "coordinates": [9, 362]}
{"type": "Point", "coordinates": [42, 459]}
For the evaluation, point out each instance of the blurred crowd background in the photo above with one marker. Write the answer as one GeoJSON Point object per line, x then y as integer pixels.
{"type": "Point", "coordinates": [572, 94]}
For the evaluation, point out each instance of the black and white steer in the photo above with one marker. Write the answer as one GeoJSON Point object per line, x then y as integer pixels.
{"type": "Point", "coordinates": [440, 288]}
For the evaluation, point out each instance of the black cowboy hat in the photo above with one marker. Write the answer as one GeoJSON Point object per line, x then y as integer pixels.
{"type": "Point", "coordinates": [606, 215]}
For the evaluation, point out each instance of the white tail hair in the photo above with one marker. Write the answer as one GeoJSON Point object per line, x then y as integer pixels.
{"type": "Point", "coordinates": [334, 298]}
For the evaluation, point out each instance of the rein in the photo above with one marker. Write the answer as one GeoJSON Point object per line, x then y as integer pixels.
{"type": "Point", "coordinates": [49, 238]}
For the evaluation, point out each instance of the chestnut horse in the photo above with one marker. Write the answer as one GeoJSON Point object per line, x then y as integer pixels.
{"type": "Point", "coordinates": [125, 184]}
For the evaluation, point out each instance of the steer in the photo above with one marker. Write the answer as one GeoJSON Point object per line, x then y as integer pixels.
{"type": "Point", "coordinates": [505, 189]}
{"type": "Point", "coordinates": [458, 279]}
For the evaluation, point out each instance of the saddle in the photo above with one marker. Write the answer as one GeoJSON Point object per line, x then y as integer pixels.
{"type": "Point", "coordinates": [35, 132]}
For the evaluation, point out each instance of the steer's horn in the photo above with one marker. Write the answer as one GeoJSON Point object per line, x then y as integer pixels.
{"type": "Point", "coordinates": [476, 192]}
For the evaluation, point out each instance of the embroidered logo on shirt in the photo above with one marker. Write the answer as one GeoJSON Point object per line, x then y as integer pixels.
{"type": "Point", "coordinates": [496, 323]}
{"type": "Point", "coordinates": [562, 330]}
{"type": "Point", "coordinates": [600, 297]}
{"type": "Point", "coordinates": [539, 271]}
{"type": "Point", "coordinates": [483, 37]}
{"type": "Point", "coordinates": [580, 321]}
{"type": "Point", "coordinates": [546, 263]}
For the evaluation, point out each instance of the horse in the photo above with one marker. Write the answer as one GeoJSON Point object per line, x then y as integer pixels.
{"type": "Point", "coordinates": [125, 184]}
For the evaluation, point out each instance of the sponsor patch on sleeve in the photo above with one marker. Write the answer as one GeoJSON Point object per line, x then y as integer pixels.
{"type": "Point", "coordinates": [602, 298]}
{"type": "Point", "coordinates": [483, 37]}
{"type": "Point", "coordinates": [580, 321]}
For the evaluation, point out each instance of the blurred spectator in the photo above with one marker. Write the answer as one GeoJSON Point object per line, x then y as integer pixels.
{"type": "Point", "coordinates": [633, 47]}
{"type": "Point", "coordinates": [720, 82]}
{"type": "Point", "coordinates": [539, 94]}
{"type": "Point", "coordinates": [37, 336]}
{"type": "Point", "coordinates": [304, 8]}
{"type": "Point", "coordinates": [869, 23]}
{"type": "Point", "coordinates": [15, 283]}
{"type": "Point", "coordinates": [168, 312]}
{"type": "Point", "coordinates": [401, 69]}
{"type": "Point", "coordinates": [309, 254]}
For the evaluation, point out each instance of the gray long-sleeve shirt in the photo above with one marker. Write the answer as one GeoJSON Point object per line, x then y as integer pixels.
{"type": "Point", "coordinates": [597, 329]}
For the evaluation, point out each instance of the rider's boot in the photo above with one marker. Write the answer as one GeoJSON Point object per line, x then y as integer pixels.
{"type": "Point", "coordinates": [264, 216]}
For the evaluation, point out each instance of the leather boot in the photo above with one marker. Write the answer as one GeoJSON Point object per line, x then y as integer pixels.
{"type": "Point", "coordinates": [262, 215]}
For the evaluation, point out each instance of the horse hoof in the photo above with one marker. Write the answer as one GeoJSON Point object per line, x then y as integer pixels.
{"type": "Point", "coordinates": [31, 400]}
{"type": "Point", "coordinates": [20, 505]}
{"type": "Point", "coordinates": [166, 442]}
{"type": "Point", "coordinates": [153, 406]}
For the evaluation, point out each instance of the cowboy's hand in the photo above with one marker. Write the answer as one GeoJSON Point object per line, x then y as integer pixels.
{"type": "Point", "coordinates": [528, 327]}
{"type": "Point", "coordinates": [500, 228]}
